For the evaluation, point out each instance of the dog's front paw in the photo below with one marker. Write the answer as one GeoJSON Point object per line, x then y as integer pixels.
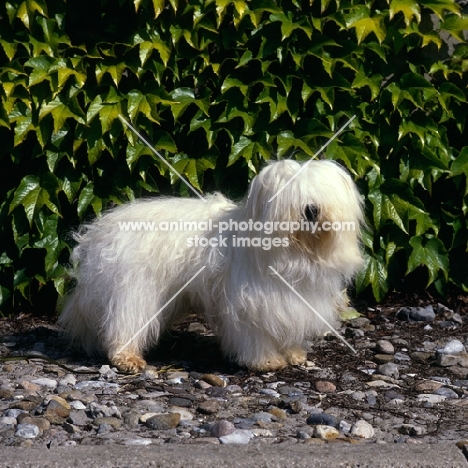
{"type": "Point", "coordinates": [296, 356]}
{"type": "Point", "coordinates": [128, 362]}
{"type": "Point", "coordinates": [272, 363]}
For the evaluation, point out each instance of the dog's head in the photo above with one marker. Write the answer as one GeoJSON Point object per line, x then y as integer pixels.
{"type": "Point", "coordinates": [319, 195]}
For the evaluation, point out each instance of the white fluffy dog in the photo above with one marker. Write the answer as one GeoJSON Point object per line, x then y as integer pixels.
{"type": "Point", "coordinates": [131, 284]}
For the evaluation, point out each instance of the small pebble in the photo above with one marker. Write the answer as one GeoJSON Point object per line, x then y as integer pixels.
{"type": "Point", "coordinates": [45, 382]}
{"type": "Point", "coordinates": [448, 360]}
{"type": "Point", "coordinates": [385, 347]}
{"type": "Point", "coordinates": [27, 431]}
{"type": "Point", "coordinates": [269, 392]}
{"type": "Point", "coordinates": [383, 358]}
{"type": "Point", "coordinates": [68, 379]}
{"type": "Point", "coordinates": [42, 423]}
{"type": "Point", "coordinates": [411, 430]}
{"type": "Point", "coordinates": [108, 420]}
{"type": "Point", "coordinates": [391, 395]}
{"type": "Point", "coordinates": [418, 314]}
{"type": "Point", "coordinates": [447, 393]}
{"type": "Point", "coordinates": [208, 407]}
{"type": "Point", "coordinates": [79, 418]}
{"type": "Point", "coordinates": [389, 369]}
{"type": "Point", "coordinates": [420, 356]}
{"type": "Point", "coordinates": [427, 386]}
{"type": "Point", "coordinates": [77, 405]}
{"type": "Point", "coordinates": [262, 416]}
{"type": "Point", "coordinates": [107, 374]}
{"type": "Point", "coordinates": [222, 428]}
{"type": "Point", "coordinates": [324, 386]}
{"type": "Point", "coordinates": [8, 420]}
{"type": "Point", "coordinates": [13, 413]}
{"type": "Point", "coordinates": [185, 415]}
{"type": "Point", "coordinates": [302, 435]}
{"type": "Point", "coordinates": [452, 347]}
{"type": "Point", "coordinates": [322, 419]}
{"type": "Point", "coordinates": [326, 432]}
{"type": "Point", "coordinates": [401, 357]}
{"type": "Point", "coordinates": [137, 441]}
{"type": "Point", "coordinates": [432, 398]}
{"type": "Point", "coordinates": [163, 422]}
{"type": "Point", "coordinates": [94, 384]}
{"type": "Point", "coordinates": [177, 377]}
{"type": "Point", "coordinates": [238, 437]}
{"type": "Point", "coordinates": [344, 427]}
{"type": "Point", "coordinates": [214, 380]}
{"type": "Point", "coordinates": [278, 413]}
{"type": "Point", "coordinates": [362, 429]}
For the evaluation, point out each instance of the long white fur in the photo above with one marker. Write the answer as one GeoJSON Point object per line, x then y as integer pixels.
{"type": "Point", "coordinates": [123, 278]}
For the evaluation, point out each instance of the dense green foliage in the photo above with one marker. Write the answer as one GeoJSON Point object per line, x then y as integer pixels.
{"type": "Point", "coordinates": [219, 86]}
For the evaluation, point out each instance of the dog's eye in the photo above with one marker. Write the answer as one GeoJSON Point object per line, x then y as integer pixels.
{"type": "Point", "coordinates": [311, 212]}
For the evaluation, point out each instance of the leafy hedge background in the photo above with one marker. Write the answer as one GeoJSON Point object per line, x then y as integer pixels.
{"type": "Point", "coordinates": [218, 86]}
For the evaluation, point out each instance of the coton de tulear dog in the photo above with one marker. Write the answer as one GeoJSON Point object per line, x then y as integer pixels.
{"type": "Point", "coordinates": [260, 270]}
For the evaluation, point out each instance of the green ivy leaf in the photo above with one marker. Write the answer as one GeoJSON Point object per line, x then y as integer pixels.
{"type": "Point", "coordinates": [32, 196]}
{"type": "Point", "coordinates": [460, 167]}
{"type": "Point", "coordinates": [9, 48]}
{"type": "Point", "coordinates": [60, 112]}
{"type": "Point", "coordinates": [430, 253]}
{"type": "Point", "coordinates": [373, 83]}
{"type": "Point", "coordinates": [87, 198]}
{"type": "Point", "coordinates": [287, 141]}
{"type": "Point", "coordinates": [27, 10]}
{"type": "Point", "coordinates": [373, 273]}
{"type": "Point", "coordinates": [439, 7]}
{"type": "Point", "coordinates": [409, 8]}
{"type": "Point", "coordinates": [384, 209]}
{"type": "Point", "coordinates": [361, 20]}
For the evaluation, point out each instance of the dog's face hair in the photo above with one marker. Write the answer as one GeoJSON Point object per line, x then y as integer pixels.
{"type": "Point", "coordinates": [320, 192]}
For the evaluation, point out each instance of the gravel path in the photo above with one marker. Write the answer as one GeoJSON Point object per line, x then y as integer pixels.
{"type": "Point", "coordinates": [408, 383]}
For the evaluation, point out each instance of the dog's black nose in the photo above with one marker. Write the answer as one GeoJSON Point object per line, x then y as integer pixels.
{"type": "Point", "coordinates": [311, 212]}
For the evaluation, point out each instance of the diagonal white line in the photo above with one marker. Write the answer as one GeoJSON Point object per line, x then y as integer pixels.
{"type": "Point", "coordinates": [313, 310]}
{"type": "Point", "coordinates": [314, 156]}
{"type": "Point", "coordinates": [129, 125]}
{"type": "Point", "coordinates": [161, 309]}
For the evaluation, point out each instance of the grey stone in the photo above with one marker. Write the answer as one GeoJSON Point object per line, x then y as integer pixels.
{"type": "Point", "coordinates": [208, 407]}
{"type": "Point", "coordinates": [45, 382]}
{"type": "Point", "coordinates": [401, 357]}
{"type": "Point", "coordinates": [222, 428]}
{"type": "Point", "coordinates": [326, 432]}
{"type": "Point", "coordinates": [383, 358]}
{"type": "Point", "coordinates": [108, 420]}
{"type": "Point", "coordinates": [262, 416]}
{"type": "Point", "coordinates": [163, 422]}
{"type": "Point", "coordinates": [27, 431]}
{"type": "Point", "coordinates": [389, 369]}
{"type": "Point", "coordinates": [432, 398]}
{"type": "Point", "coordinates": [418, 314]}
{"type": "Point", "coordinates": [323, 419]}
{"type": "Point", "coordinates": [94, 384]}
{"type": "Point", "coordinates": [237, 437]}
{"type": "Point", "coordinates": [362, 429]}
{"type": "Point", "coordinates": [446, 392]}
{"type": "Point", "coordinates": [452, 347]}
{"type": "Point", "coordinates": [385, 347]}
{"type": "Point", "coordinates": [411, 430]}
{"type": "Point", "coordinates": [446, 360]}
